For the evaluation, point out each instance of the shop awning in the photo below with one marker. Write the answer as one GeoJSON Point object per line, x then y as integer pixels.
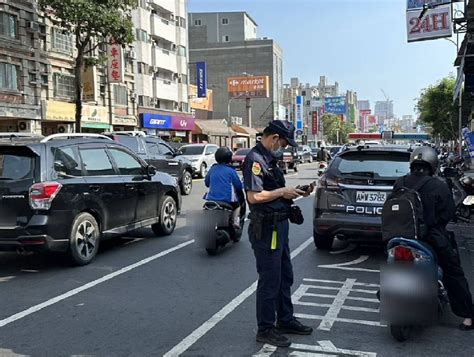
{"type": "Point", "coordinates": [244, 131]}
{"type": "Point", "coordinates": [214, 127]}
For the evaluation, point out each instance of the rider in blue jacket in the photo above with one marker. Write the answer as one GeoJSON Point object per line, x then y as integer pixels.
{"type": "Point", "coordinates": [224, 184]}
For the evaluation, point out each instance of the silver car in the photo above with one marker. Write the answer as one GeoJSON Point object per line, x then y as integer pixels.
{"type": "Point", "coordinates": [200, 155]}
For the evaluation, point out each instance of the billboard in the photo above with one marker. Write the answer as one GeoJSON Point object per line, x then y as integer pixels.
{"type": "Point", "coordinates": [206, 103]}
{"type": "Point", "coordinates": [249, 87]}
{"type": "Point", "coordinates": [419, 4]}
{"type": "Point", "coordinates": [201, 78]}
{"type": "Point", "coordinates": [299, 114]}
{"type": "Point", "coordinates": [115, 65]}
{"type": "Point", "coordinates": [335, 105]}
{"type": "Point", "coordinates": [436, 23]}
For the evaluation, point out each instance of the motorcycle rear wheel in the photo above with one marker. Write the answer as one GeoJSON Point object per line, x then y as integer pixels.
{"type": "Point", "coordinates": [400, 333]}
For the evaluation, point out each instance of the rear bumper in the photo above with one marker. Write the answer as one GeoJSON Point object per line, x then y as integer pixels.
{"type": "Point", "coordinates": [351, 226]}
{"type": "Point", "coordinates": [42, 232]}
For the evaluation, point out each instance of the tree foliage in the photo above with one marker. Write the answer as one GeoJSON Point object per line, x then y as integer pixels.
{"type": "Point", "coordinates": [335, 130]}
{"type": "Point", "coordinates": [91, 23]}
{"type": "Point", "coordinates": [437, 109]}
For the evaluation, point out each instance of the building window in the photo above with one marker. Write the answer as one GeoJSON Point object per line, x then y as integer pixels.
{"type": "Point", "coordinates": [8, 25]}
{"type": "Point", "coordinates": [184, 107]}
{"type": "Point", "coordinates": [121, 95]}
{"type": "Point", "coordinates": [181, 51]}
{"type": "Point", "coordinates": [8, 76]}
{"type": "Point", "coordinates": [198, 22]}
{"type": "Point", "coordinates": [64, 86]}
{"type": "Point", "coordinates": [182, 22]}
{"type": "Point", "coordinates": [225, 38]}
{"type": "Point", "coordinates": [61, 42]}
{"type": "Point", "coordinates": [142, 36]}
{"type": "Point", "coordinates": [225, 21]}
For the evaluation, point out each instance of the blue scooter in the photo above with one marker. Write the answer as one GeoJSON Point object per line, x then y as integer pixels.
{"type": "Point", "coordinates": [411, 289]}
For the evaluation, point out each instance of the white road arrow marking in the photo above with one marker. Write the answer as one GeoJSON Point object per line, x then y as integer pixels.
{"type": "Point", "coordinates": [346, 266]}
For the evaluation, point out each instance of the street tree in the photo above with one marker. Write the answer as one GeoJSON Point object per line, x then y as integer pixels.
{"type": "Point", "coordinates": [437, 110]}
{"type": "Point", "coordinates": [335, 129]}
{"type": "Point", "coordinates": [91, 23]}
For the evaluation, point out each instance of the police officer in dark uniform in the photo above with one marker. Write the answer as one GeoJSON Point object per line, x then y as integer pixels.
{"type": "Point", "coordinates": [438, 210]}
{"type": "Point", "coordinates": [270, 205]}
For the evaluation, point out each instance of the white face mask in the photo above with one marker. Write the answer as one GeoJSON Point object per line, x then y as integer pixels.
{"type": "Point", "coordinates": [277, 153]}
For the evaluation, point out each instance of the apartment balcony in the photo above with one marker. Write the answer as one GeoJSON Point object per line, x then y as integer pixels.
{"type": "Point", "coordinates": [163, 28]}
{"type": "Point", "coordinates": [165, 89]}
{"type": "Point", "coordinates": [165, 59]}
{"type": "Point", "coordinates": [168, 5]}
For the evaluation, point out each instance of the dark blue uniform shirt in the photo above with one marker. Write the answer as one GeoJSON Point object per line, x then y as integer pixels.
{"type": "Point", "coordinates": [261, 173]}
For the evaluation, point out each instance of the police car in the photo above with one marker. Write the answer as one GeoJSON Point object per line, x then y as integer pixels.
{"type": "Point", "coordinates": [351, 193]}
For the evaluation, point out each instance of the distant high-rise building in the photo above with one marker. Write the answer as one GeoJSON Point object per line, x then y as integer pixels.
{"type": "Point", "coordinates": [384, 110]}
{"type": "Point", "coordinates": [363, 105]}
{"type": "Point", "coordinates": [327, 90]}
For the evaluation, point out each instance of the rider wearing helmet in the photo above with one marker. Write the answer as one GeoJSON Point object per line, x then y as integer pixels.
{"type": "Point", "coordinates": [438, 210]}
{"type": "Point", "coordinates": [224, 183]}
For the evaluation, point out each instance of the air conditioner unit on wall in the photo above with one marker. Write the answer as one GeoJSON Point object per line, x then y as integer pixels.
{"type": "Point", "coordinates": [64, 128]}
{"type": "Point", "coordinates": [25, 126]}
{"type": "Point", "coordinates": [132, 55]}
{"type": "Point", "coordinates": [32, 26]}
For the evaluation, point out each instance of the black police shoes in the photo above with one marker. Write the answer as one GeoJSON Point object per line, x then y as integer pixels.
{"type": "Point", "coordinates": [273, 337]}
{"type": "Point", "coordinates": [294, 327]}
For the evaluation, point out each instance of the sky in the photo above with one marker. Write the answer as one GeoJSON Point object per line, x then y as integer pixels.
{"type": "Point", "coordinates": [361, 44]}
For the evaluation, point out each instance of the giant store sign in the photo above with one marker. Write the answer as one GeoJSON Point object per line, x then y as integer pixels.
{"type": "Point", "coordinates": [167, 122]}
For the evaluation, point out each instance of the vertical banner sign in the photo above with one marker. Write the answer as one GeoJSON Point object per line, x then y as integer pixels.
{"type": "Point", "coordinates": [201, 70]}
{"type": "Point", "coordinates": [89, 80]}
{"type": "Point", "coordinates": [299, 115]}
{"type": "Point", "coordinates": [115, 63]}
{"type": "Point", "coordinates": [314, 124]}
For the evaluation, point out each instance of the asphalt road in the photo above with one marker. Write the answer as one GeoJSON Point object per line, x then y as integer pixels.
{"type": "Point", "coordinates": [145, 296]}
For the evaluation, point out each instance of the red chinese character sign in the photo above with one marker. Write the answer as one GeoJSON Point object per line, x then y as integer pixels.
{"type": "Point", "coordinates": [314, 125]}
{"type": "Point", "coordinates": [115, 63]}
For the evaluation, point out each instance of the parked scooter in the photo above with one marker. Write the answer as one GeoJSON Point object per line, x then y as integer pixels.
{"type": "Point", "coordinates": [412, 292]}
{"type": "Point", "coordinates": [223, 230]}
{"type": "Point", "coordinates": [462, 187]}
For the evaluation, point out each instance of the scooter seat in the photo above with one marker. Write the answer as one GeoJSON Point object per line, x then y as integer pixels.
{"type": "Point", "coordinates": [218, 205]}
{"type": "Point", "coordinates": [421, 246]}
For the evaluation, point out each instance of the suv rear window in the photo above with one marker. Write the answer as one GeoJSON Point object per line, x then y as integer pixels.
{"type": "Point", "coordinates": [192, 150]}
{"type": "Point", "coordinates": [16, 166]}
{"type": "Point", "coordinates": [381, 164]}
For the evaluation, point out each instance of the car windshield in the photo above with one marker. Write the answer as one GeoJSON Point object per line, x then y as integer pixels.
{"type": "Point", "coordinates": [242, 152]}
{"type": "Point", "coordinates": [192, 150]}
{"type": "Point", "coordinates": [374, 164]}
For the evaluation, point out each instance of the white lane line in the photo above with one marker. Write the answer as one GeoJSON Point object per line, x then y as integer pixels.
{"type": "Point", "coordinates": [267, 350]}
{"type": "Point", "coordinates": [89, 285]}
{"type": "Point", "coordinates": [345, 266]}
{"type": "Point", "coordinates": [341, 282]}
{"type": "Point", "coordinates": [328, 347]}
{"type": "Point", "coordinates": [340, 319]}
{"type": "Point", "coordinates": [192, 338]}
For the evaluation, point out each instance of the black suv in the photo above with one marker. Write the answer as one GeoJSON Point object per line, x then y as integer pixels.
{"type": "Point", "coordinates": [161, 155]}
{"type": "Point", "coordinates": [350, 195]}
{"type": "Point", "coordinates": [66, 195]}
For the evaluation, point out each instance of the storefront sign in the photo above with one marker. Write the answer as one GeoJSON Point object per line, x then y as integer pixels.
{"type": "Point", "coordinates": [167, 122]}
{"type": "Point", "coordinates": [115, 68]}
{"type": "Point", "coordinates": [125, 121]}
{"type": "Point", "coordinates": [60, 111]}
{"type": "Point", "coordinates": [201, 69]}
{"type": "Point", "coordinates": [89, 79]}
{"type": "Point", "coordinates": [436, 23]}
{"type": "Point", "coordinates": [95, 114]}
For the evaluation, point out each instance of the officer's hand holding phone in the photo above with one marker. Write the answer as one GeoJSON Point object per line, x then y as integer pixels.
{"type": "Point", "coordinates": [290, 193]}
{"type": "Point", "coordinates": [306, 189]}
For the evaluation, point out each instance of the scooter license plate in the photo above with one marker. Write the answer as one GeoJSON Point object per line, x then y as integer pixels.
{"type": "Point", "coordinates": [468, 201]}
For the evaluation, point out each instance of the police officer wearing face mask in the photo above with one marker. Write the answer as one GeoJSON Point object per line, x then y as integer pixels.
{"type": "Point", "coordinates": [270, 210]}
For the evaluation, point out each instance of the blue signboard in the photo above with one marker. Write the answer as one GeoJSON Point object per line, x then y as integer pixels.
{"type": "Point", "coordinates": [201, 70]}
{"type": "Point", "coordinates": [469, 138]}
{"type": "Point", "coordinates": [418, 4]}
{"type": "Point", "coordinates": [335, 105]}
{"type": "Point", "coordinates": [157, 121]}
{"type": "Point", "coordinates": [411, 136]}
{"type": "Point", "coordinates": [299, 115]}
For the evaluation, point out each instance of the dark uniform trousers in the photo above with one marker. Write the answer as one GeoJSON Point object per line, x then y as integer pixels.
{"type": "Point", "coordinates": [455, 282]}
{"type": "Point", "coordinates": [275, 275]}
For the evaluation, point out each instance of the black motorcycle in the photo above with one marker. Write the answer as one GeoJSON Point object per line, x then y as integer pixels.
{"type": "Point", "coordinates": [462, 187]}
{"type": "Point", "coordinates": [223, 230]}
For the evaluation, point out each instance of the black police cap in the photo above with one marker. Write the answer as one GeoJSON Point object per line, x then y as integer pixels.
{"type": "Point", "coordinates": [285, 129]}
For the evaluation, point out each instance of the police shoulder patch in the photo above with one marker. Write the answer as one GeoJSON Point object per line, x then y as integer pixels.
{"type": "Point", "coordinates": [256, 169]}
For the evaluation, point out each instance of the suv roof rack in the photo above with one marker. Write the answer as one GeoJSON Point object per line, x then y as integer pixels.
{"type": "Point", "coordinates": [128, 133]}
{"type": "Point", "coordinates": [74, 135]}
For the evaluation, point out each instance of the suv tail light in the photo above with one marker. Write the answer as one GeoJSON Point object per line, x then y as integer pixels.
{"type": "Point", "coordinates": [403, 254]}
{"type": "Point", "coordinates": [43, 194]}
{"type": "Point", "coordinates": [328, 182]}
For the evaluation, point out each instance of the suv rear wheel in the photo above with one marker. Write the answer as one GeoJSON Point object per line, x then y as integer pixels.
{"type": "Point", "coordinates": [323, 242]}
{"type": "Point", "coordinates": [84, 240]}
{"type": "Point", "coordinates": [168, 216]}
{"type": "Point", "coordinates": [186, 183]}
{"type": "Point", "coordinates": [203, 170]}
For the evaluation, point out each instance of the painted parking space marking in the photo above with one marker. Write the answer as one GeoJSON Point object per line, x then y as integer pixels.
{"type": "Point", "coordinates": [348, 265]}
{"type": "Point", "coordinates": [89, 285]}
{"type": "Point", "coordinates": [202, 330]}
{"type": "Point", "coordinates": [335, 296]}
{"type": "Point", "coordinates": [323, 348]}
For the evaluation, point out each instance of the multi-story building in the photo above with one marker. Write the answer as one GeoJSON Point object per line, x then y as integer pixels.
{"type": "Point", "coordinates": [327, 90]}
{"type": "Point", "coordinates": [408, 124]}
{"type": "Point", "coordinates": [228, 43]}
{"type": "Point", "coordinates": [363, 104]}
{"type": "Point", "coordinates": [383, 110]}
{"type": "Point", "coordinates": [23, 66]}
{"type": "Point", "coordinates": [161, 51]}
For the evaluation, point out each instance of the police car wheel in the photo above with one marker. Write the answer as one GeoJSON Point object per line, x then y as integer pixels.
{"type": "Point", "coordinates": [323, 242]}
{"type": "Point", "coordinates": [168, 217]}
{"type": "Point", "coordinates": [186, 183]}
